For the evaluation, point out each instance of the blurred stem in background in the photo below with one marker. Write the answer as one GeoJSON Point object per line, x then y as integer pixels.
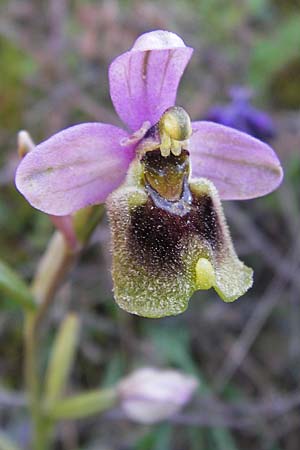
{"type": "Point", "coordinates": [53, 267]}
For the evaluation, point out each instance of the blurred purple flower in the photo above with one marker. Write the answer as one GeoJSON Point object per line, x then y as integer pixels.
{"type": "Point", "coordinates": [240, 114]}
{"type": "Point", "coordinates": [169, 233]}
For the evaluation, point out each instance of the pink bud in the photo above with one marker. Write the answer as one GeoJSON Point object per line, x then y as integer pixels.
{"type": "Point", "coordinates": [151, 395]}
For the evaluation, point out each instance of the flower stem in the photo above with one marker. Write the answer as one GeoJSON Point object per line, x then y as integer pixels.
{"type": "Point", "coordinates": [31, 370]}
{"type": "Point", "coordinates": [55, 264]}
{"type": "Point", "coordinates": [40, 425]}
{"type": "Point", "coordinates": [53, 267]}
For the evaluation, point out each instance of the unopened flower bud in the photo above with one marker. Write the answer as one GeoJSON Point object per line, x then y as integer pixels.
{"type": "Point", "coordinates": [151, 395]}
{"type": "Point", "coordinates": [25, 143]}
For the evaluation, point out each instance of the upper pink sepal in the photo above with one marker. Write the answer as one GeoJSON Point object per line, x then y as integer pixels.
{"type": "Point", "coordinates": [74, 168]}
{"type": "Point", "coordinates": [144, 80]}
{"type": "Point", "coordinates": [240, 166]}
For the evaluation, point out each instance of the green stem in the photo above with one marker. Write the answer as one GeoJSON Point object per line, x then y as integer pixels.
{"type": "Point", "coordinates": [53, 267]}
{"type": "Point", "coordinates": [41, 432]}
{"type": "Point", "coordinates": [84, 405]}
{"type": "Point", "coordinates": [32, 379]}
{"type": "Point", "coordinates": [59, 257]}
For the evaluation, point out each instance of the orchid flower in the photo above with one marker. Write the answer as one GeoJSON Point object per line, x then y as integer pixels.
{"type": "Point", "coordinates": [162, 181]}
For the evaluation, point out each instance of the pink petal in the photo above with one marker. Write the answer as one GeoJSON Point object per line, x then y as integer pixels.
{"type": "Point", "coordinates": [240, 166]}
{"type": "Point", "coordinates": [144, 80]}
{"type": "Point", "coordinates": [75, 168]}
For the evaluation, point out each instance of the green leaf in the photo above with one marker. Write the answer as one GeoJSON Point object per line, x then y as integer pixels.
{"type": "Point", "coordinates": [15, 288]}
{"type": "Point", "coordinates": [61, 360]}
{"type": "Point", "coordinates": [6, 443]}
{"type": "Point", "coordinates": [159, 438]}
{"type": "Point", "coordinates": [84, 405]}
{"type": "Point", "coordinates": [196, 437]}
{"type": "Point", "coordinates": [113, 371]}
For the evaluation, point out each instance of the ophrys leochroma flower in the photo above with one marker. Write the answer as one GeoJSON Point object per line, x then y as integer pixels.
{"type": "Point", "coordinates": [165, 176]}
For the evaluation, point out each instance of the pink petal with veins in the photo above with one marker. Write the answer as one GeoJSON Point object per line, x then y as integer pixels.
{"type": "Point", "coordinates": [144, 80]}
{"type": "Point", "coordinates": [74, 168]}
{"type": "Point", "coordinates": [240, 166]}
